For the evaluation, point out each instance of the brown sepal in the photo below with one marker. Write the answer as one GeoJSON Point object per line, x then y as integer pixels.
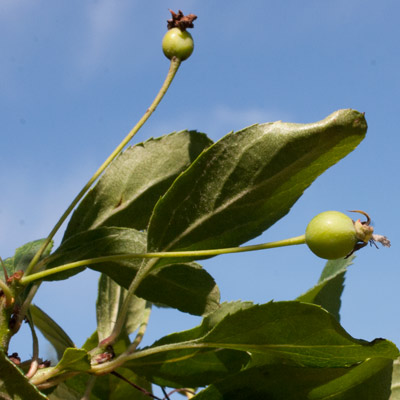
{"type": "Point", "coordinates": [181, 21]}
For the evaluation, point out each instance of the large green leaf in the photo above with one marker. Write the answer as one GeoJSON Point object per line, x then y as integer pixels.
{"type": "Point", "coordinates": [51, 330]}
{"type": "Point", "coordinates": [127, 192]}
{"type": "Point", "coordinates": [285, 333]}
{"type": "Point", "coordinates": [248, 180]}
{"type": "Point", "coordinates": [369, 380]}
{"type": "Point", "coordinates": [187, 287]}
{"type": "Point", "coordinates": [13, 383]}
{"type": "Point", "coordinates": [328, 290]}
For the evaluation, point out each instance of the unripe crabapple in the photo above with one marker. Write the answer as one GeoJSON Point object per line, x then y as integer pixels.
{"type": "Point", "coordinates": [177, 43]}
{"type": "Point", "coordinates": [331, 235]}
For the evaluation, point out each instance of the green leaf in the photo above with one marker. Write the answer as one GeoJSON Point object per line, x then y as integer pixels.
{"type": "Point", "coordinates": [369, 380]}
{"type": "Point", "coordinates": [286, 333]}
{"type": "Point", "coordinates": [74, 360]}
{"type": "Point", "coordinates": [207, 324]}
{"type": "Point", "coordinates": [22, 257]}
{"type": "Point", "coordinates": [51, 330]}
{"type": "Point", "coordinates": [186, 287]}
{"type": "Point", "coordinates": [128, 190]}
{"type": "Point", "coordinates": [13, 384]}
{"type": "Point", "coordinates": [177, 368]}
{"type": "Point", "coordinates": [248, 180]}
{"type": "Point", "coordinates": [109, 301]}
{"type": "Point", "coordinates": [328, 291]}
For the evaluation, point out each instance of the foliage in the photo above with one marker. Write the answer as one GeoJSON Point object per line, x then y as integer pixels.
{"type": "Point", "coordinates": [159, 208]}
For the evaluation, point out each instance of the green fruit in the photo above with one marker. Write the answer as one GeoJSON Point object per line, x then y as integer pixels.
{"type": "Point", "coordinates": [177, 43]}
{"type": "Point", "coordinates": [331, 235]}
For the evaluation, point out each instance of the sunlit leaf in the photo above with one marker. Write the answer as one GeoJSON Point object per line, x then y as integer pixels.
{"type": "Point", "coordinates": [248, 180]}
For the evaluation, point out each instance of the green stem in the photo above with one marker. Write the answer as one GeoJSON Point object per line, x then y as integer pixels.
{"type": "Point", "coordinates": [174, 66]}
{"type": "Point", "coordinates": [171, 254]}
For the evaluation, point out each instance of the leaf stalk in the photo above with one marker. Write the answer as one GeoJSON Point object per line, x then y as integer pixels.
{"type": "Point", "coordinates": [195, 254]}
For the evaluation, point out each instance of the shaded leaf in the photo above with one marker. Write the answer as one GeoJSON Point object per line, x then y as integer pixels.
{"type": "Point", "coordinates": [192, 368]}
{"type": "Point", "coordinates": [290, 333]}
{"type": "Point", "coordinates": [248, 180]}
{"type": "Point", "coordinates": [128, 190]}
{"type": "Point", "coordinates": [207, 324]}
{"type": "Point", "coordinates": [13, 384]}
{"type": "Point", "coordinates": [107, 387]}
{"type": "Point", "coordinates": [186, 287]}
{"type": "Point", "coordinates": [110, 387]}
{"type": "Point", "coordinates": [51, 330]}
{"type": "Point", "coordinates": [367, 381]}
{"type": "Point", "coordinates": [109, 301]}
{"type": "Point", "coordinates": [329, 289]}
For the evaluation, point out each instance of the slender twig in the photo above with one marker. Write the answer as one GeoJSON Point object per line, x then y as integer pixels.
{"type": "Point", "coordinates": [174, 66]}
{"type": "Point", "coordinates": [166, 397]}
{"type": "Point", "coordinates": [144, 391]}
{"type": "Point", "coordinates": [170, 254]}
{"type": "Point", "coordinates": [89, 387]}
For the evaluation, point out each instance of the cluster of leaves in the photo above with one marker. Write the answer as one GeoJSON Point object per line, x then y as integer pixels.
{"type": "Point", "coordinates": [182, 192]}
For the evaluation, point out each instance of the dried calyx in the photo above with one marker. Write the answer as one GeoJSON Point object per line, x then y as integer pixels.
{"type": "Point", "coordinates": [181, 21]}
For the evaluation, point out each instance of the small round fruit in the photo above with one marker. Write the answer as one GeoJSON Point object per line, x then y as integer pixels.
{"type": "Point", "coordinates": [331, 235]}
{"type": "Point", "coordinates": [177, 43]}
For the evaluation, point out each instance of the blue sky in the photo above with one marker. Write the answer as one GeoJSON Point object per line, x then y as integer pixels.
{"type": "Point", "coordinates": [75, 76]}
